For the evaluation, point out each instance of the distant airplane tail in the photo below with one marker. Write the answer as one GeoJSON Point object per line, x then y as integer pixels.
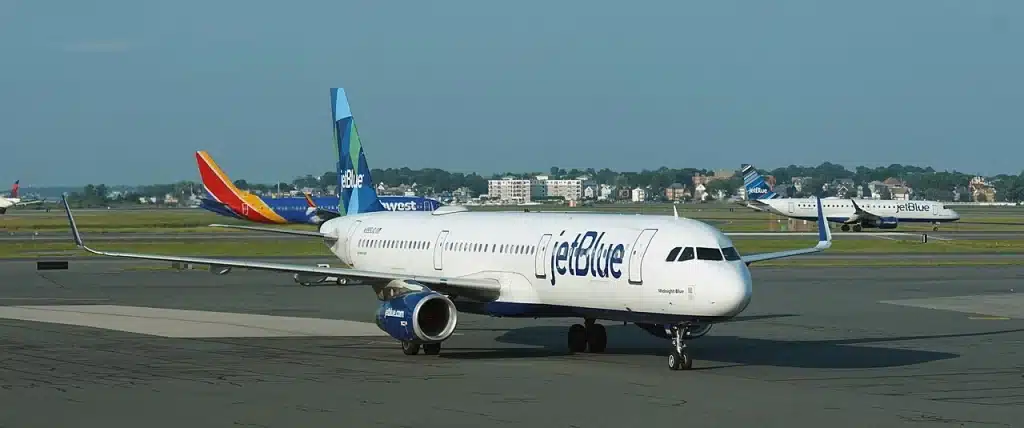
{"type": "Point", "coordinates": [355, 187]}
{"type": "Point", "coordinates": [755, 185]}
{"type": "Point", "coordinates": [216, 183]}
{"type": "Point", "coordinates": [14, 189]}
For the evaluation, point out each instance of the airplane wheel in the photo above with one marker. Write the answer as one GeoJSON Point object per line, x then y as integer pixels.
{"type": "Point", "coordinates": [857, 228]}
{"type": "Point", "coordinates": [431, 348]}
{"type": "Point", "coordinates": [597, 338]}
{"type": "Point", "coordinates": [577, 338]}
{"type": "Point", "coordinates": [935, 229]}
{"type": "Point", "coordinates": [845, 228]}
{"type": "Point", "coordinates": [409, 348]}
{"type": "Point", "coordinates": [679, 360]}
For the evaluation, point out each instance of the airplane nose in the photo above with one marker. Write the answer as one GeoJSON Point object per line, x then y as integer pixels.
{"type": "Point", "coordinates": [733, 289]}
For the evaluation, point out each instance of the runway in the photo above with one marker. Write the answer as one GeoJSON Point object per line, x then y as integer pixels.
{"type": "Point", "coordinates": [240, 236]}
{"type": "Point", "coordinates": [817, 347]}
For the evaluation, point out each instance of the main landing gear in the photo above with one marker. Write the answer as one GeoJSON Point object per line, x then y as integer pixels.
{"type": "Point", "coordinates": [413, 348]}
{"type": "Point", "coordinates": [589, 334]}
{"type": "Point", "coordinates": [679, 359]}
{"type": "Point", "coordinates": [846, 228]}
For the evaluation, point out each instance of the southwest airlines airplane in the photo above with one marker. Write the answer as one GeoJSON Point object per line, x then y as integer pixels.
{"type": "Point", "coordinates": [224, 198]}
{"type": "Point", "coordinates": [673, 277]}
{"type": "Point", "coordinates": [855, 213]}
{"type": "Point", "coordinates": [13, 200]}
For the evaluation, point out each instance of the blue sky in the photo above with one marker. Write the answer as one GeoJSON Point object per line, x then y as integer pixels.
{"type": "Point", "coordinates": [123, 92]}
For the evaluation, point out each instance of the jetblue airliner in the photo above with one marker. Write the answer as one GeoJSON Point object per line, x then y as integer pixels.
{"type": "Point", "coordinates": [224, 198]}
{"type": "Point", "coordinates": [673, 277]}
{"type": "Point", "coordinates": [857, 214]}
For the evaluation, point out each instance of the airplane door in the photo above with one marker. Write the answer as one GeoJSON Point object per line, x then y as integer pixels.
{"type": "Point", "coordinates": [636, 257]}
{"type": "Point", "coordinates": [439, 249]}
{"type": "Point", "coordinates": [348, 244]}
{"type": "Point", "coordinates": [792, 208]}
{"type": "Point", "coordinates": [541, 258]}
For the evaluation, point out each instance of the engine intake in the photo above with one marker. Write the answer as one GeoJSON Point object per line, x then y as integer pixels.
{"type": "Point", "coordinates": [420, 317]}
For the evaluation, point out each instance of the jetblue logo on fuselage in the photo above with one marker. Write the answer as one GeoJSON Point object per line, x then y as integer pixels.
{"type": "Point", "coordinates": [393, 313]}
{"type": "Point", "coordinates": [910, 206]}
{"type": "Point", "coordinates": [400, 206]}
{"type": "Point", "coordinates": [586, 255]}
{"type": "Point", "coordinates": [351, 180]}
{"type": "Point", "coordinates": [758, 190]}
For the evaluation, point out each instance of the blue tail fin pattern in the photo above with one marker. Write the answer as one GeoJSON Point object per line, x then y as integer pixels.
{"type": "Point", "coordinates": [755, 185]}
{"type": "Point", "coordinates": [355, 186]}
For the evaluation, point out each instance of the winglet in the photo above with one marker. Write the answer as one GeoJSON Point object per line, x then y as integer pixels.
{"type": "Point", "coordinates": [675, 212]}
{"type": "Point", "coordinates": [824, 232]}
{"type": "Point", "coordinates": [71, 219]}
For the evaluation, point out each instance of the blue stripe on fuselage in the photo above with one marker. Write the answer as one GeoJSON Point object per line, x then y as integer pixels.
{"type": "Point", "coordinates": [296, 210]}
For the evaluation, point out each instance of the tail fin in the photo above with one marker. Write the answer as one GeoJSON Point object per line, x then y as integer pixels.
{"type": "Point", "coordinates": [216, 182]}
{"type": "Point", "coordinates": [358, 194]}
{"type": "Point", "coordinates": [755, 185]}
{"type": "Point", "coordinates": [14, 189]}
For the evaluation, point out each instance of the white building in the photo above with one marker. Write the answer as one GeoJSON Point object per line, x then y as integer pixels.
{"type": "Point", "coordinates": [510, 190]}
{"type": "Point", "coordinates": [639, 194]}
{"type": "Point", "coordinates": [570, 190]}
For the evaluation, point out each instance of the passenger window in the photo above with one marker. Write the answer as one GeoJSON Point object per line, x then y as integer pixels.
{"type": "Point", "coordinates": [687, 254]}
{"type": "Point", "coordinates": [730, 254]}
{"type": "Point", "coordinates": [673, 254]}
{"type": "Point", "coordinates": [709, 253]}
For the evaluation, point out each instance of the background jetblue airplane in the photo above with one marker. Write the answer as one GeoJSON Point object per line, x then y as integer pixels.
{"type": "Point", "coordinates": [851, 213]}
{"type": "Point", "coordinates": [671, 276]}
{"type": "Point", "coordinates": [224, 198]}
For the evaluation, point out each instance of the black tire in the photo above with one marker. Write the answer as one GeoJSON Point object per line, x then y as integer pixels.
{"type": "Point", "coordinates": [677, 361]}
{"type": "Point", "coordinates": [577, 338]}
{"type": "Point", "coordinates": [409, 348]}
{"type": "Point", "coordinates": [597, 338]}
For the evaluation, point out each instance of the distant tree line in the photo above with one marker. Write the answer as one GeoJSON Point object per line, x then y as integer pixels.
{"type": "Point", "coordinates": [926, 181]}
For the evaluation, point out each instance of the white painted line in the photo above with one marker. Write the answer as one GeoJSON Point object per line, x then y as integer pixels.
{"type": "Point", "coordinates": [187, 324]}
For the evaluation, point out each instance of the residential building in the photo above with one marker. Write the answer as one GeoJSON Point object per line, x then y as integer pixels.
{"type": "Point", "coordinates": [639, 194]}
{"type": "Point", "coordinates": [676, 192]}
{"type": "Point", "coordinates": [981, 191]}
{"type": "Point", "coordinates": [510, 190]}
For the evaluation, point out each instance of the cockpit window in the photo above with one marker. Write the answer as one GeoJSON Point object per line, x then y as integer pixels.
{"type": "Point", "coordinates": [709, 253]}
{"type": "Point", "coordinates": [730, 254]}
{"type": "Point", "coordinates": [687, 254]}
{"type": "Point", "coordinates": [673, 254]}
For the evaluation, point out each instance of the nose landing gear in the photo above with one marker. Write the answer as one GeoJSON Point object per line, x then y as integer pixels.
{"type": "Point", "coordinates": [679, 359]}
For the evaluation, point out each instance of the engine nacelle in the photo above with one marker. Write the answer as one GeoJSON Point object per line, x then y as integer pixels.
{"type": "Point", "coordinates": [420, 317]}
{"type": "Point", "coordinates": [888, 223]}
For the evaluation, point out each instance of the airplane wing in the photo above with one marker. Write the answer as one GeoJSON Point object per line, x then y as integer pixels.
{"type": "Point", "coordinates": [824, 242]}
{"type": "Point", "coordinates": [276, 230]}
{"type": "Point", "coordinates": [859, 214]}
{"type": "Point", "coordinates": [322, 212]}
{"type": "Point", "coordinates": [466, 284]}
{"type": "Point", "coordinates": [32, 202]}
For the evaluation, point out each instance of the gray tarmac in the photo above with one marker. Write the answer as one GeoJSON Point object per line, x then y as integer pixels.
{"type": "Point", "coordinates": [817, 347]}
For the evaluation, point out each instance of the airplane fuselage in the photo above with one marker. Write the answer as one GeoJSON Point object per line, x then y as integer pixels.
{"type": "Point", "coordinates": [296, 210]}
{"type": "Point", "coordinates": [843, 211]}
{"type": "Point", "coordinates": [558, 264]}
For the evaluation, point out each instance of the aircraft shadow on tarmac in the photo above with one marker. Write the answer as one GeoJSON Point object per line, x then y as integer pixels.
{"type": "Point", "coordinates": [851, 353]}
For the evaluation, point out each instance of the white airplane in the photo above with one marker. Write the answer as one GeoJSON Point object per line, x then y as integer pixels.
{"type": "Point", "coordinates": [13, 200]}
{"type": "Point", "coordinates": [674, 277]}
{"type": "Point", "coordinates": [850, 213]}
